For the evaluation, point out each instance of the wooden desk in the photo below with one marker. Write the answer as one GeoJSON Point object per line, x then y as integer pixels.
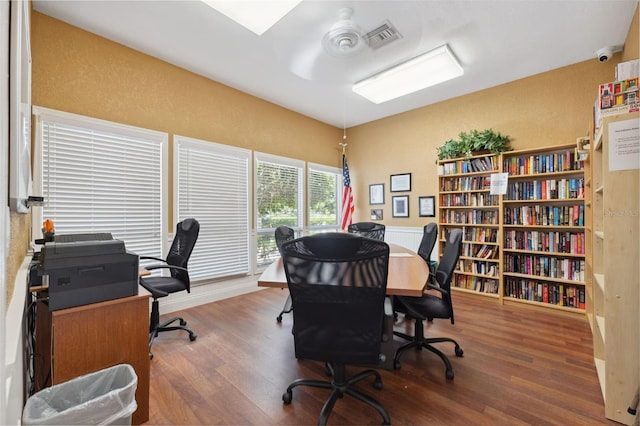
{"type": "Point", "coordinates": [84, 339]}
{"type": "Point", "coordinates": [408, 273]}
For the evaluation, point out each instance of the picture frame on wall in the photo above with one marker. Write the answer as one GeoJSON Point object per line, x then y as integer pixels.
{"type": "Point", "coordinates": [401, 182]}
{"type": "Point", "coordinates": [427, 206]}
{"type": "Point", "coordinates": [400, 205]}
{"type": "Point", "coordinates": [376, 214]}
{"type": "Point", "coordinates": [376, 193]}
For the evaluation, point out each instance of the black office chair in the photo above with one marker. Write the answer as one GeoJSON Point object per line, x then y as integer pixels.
{"type": "Point", "coordinates": [368, 229]}
{"type": "Point", "coordinates": [176, 261]}
{"type": "Point", "coordinates": [431, 306]}
{"type": "Point", "coordinates": [283, 234]}
{"type": "Point", "coordinates": [337, 282]}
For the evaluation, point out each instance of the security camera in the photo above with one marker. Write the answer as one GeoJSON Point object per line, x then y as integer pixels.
{"type": "Point", "coordinates": [604, 54]}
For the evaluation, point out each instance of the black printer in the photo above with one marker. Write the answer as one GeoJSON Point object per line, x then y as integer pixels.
{"type": "Point", "coordinates": [87, 268]}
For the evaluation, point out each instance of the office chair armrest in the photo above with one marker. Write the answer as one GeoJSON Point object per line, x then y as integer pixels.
{"type": "Point", "coordinates": [435, 283]}
{"type": "Point", "coordinates": [153, 258]}
{"type": "Point", "coordinates": [177, 268]}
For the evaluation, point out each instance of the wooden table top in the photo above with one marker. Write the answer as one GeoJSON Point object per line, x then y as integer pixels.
{"type": "Point", "coordinates": [408, 273]}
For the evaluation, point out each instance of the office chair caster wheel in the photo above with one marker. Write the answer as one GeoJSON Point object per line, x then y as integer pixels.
{"type": "Point", "coordinates": [279, 318]}
{"type": "Point", "coordinates": [150, 355]}
{"type": "Point", "coordinates": [377, 384]}
{"type": "Point", "coordinates": [396, 364]}
{"type": "Point", "coordinates": [193, 337]}
{"type": "Point", "coordinates": [459, 351]}
{"type": "Point", "coordinates": [182, 322]}
{"type": "Point", "coordinates": [449, 375]}
{"type": "Point", "coordinates": [287, 397]}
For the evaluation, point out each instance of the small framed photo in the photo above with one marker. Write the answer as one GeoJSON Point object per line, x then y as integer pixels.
{"type": "Point", "coordinates": [401, 183]}
{"type": "Point", "coordinates": [376, 214]}
{"type": "Point", "coordinates": [376, 193]}
{"type": "Point", "coordinates": [400, 206]}
{"type": "Point", "coordinates": [427, 206]}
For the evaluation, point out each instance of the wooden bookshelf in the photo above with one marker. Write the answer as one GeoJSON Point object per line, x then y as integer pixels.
{"type": "Point", "coordinates": [465, 202]}
{"type": "Point", "coordinates": [543, 244]}
{"type": "Point", "coordinates": [615, 242]}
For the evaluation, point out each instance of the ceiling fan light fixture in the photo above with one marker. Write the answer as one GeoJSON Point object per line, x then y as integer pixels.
{"type": "Point", "coordinates": [433, 67]}
{"type": "Point", "coordinates": [344, 38]}
{"type": "Point", "coordinates": [255, 15]}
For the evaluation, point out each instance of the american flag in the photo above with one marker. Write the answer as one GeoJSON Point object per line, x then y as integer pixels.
{"type": "Point", "coordinates": [347, 196]}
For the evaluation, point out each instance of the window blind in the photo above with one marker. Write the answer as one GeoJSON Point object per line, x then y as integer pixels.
{"type": "Point", "coordinates": [98, 176]}
{"type": "Point", "coordinates": [324, 184]}
{"type": "Point", "coordinates": [213, 187]}
{"type": "Point", "coordinates": [279, 200]}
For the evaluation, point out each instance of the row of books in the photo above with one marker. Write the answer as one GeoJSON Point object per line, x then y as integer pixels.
{"type": "Point", "coordinates": [543, 163]}
{"type": "Point", "coordinates": [568, 295]}
{"type": "Point", "coordinates": [479, 284]}
{"type": "Point", "coordinates": [480, 234]}
{"type": "Point", "coordinates": [481, 164]}
{"type": "Point", "coordinates": [487, 217]}
{"type": "Point", "coordinates": [548, 241]}
{"type": "Point", "coordinates": [545, 215]}
{"type": "Point", "coordinates": [478, 267]}
{"type": "Point", "coordinates": [545, 266]}
{"type": "Point", "coordinates": [485, 251]}
{"type": "Point", "coordinates": [472, 199]}
{"type": "Point", "coordinates": [550, 189]}
{"type": "Point", "coordinates": [469, 183]}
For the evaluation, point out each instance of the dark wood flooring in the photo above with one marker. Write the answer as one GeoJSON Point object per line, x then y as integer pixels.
{"type": "Point", "coordinates": [520, 366]}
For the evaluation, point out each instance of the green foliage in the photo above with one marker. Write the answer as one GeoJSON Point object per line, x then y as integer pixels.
{"type": "Point", "coordinates": [473, 141]}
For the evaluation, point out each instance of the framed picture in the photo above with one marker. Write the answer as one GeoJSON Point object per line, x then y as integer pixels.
{"type": "Point", "coordinates": [376, 193]}
{"type": "Point", "coordinates": [427, 206]}
{"type": "Point", "coordinates": [400, 183]}
{"type": "Point", "coordinates": [376, 214]}
{"type": "Point", "coordinates": [400, 205]}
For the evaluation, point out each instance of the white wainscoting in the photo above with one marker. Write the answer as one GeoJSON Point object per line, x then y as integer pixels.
{"type": "Point", "coordinates": [408, 237]}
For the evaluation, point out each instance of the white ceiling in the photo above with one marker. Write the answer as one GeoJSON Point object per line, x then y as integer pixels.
{"type": "Point", "coordinates": [496, 41]}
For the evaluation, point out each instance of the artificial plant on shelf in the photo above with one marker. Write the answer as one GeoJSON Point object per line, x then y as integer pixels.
{"type": "Point", "coordinates": [474, 141]}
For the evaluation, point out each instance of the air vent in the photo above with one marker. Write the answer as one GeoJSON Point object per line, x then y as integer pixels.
{"type": "Point", "coordinates": [383, 35]}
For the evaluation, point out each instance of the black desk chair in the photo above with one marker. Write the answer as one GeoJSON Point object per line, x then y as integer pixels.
{"type": "Point", "coordinates": [176, 261]}
{"type": "Point", "coordinates": [337, 282]}
{"type": "Point", "coordinates": [428, 242]}
{"type": "Point", "coordinates": [368, 229]}
{"type": "Point", "coordinates": [284, 234]}
{"type": "Point", "coordinates": [431, 306]}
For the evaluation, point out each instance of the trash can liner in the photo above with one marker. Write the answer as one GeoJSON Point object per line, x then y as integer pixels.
{"type": "Point", "coordinates": [100, 398]}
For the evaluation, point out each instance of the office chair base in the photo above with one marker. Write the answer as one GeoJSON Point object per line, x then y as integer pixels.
{"type": "Point", "coordinates": [340, 387]}
{"type": "Point", "coordinates": [165, 326]}
{"type": "Point", "coordinates": [285, 309]}
{"type": "Point", "coordinates": [418, 341]}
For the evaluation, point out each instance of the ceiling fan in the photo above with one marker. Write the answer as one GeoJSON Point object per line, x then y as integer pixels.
{"type": "Point", "coordinates": [325, 49]}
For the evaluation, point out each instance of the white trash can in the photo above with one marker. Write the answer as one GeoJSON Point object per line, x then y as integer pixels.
{"type": "Point", "coordinates": [106, 397]}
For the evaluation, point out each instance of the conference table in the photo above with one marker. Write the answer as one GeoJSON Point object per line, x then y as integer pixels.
{"type": "Point", "coordinates": [408, 273]}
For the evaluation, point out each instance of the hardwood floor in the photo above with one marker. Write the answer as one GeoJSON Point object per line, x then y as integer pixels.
{"type": "Point", "coordinates": [519, 367]}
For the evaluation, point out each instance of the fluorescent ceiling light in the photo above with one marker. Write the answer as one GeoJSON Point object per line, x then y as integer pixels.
{"type": "Point", "coordinates": [255, 15]}
{"type": "Point", "coordinates": [428, 69]}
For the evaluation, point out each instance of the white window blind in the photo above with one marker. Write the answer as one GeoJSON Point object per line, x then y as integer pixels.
{"type": "Point", "coordinates": [99, 176]}
{"type": "Point", "coordinates": [279, 200]}
{"type": "Point", "coordinates": [213, 186]}
{"type": "Point", "coordinates": [324, 185]}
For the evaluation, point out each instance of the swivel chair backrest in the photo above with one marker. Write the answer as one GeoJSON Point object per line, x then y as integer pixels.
{"type": "Point", "coordinates": [448, 264]}
{"type": "Point", "coordinates": [283, 234]}
{"type": "Point", "coordinates": [337, 283]}
{"type": "Point", "coordinates": [429, 238]}
{"type": "Point", "coordinates": [368, 229]}
{"type": "Point", "coordinates": [181, 248]}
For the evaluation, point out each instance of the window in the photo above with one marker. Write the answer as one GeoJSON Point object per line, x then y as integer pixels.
{"type": "Point", "coordinates": [99, 176]}
{"type": "Point", "coordinates": [212, 186]}
{"type": "Point", "coordinates": [279, 200]}
{"type": "Point", "coordinates": [324, 184]}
